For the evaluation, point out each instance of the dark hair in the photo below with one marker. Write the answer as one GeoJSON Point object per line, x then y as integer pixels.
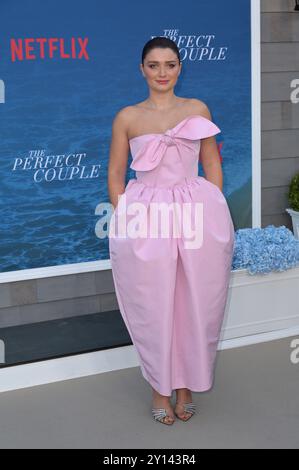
{"type": "Point", "coordinates": [160, 41]}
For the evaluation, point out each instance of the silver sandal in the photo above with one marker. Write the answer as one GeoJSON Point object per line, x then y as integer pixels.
{"type": "Point", "coordinates": [160, 413]}
{"type": "Point", "coordinates": [188, 408]}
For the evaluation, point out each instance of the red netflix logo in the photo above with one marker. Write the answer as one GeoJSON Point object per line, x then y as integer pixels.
{"type": "Point", "coordinates": [42, 48]}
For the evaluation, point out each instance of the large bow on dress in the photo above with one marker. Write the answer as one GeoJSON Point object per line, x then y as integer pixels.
{"type": "Point", "coordinates": [194, 127]}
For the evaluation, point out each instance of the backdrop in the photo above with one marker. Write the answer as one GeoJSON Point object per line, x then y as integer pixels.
{"type": "Point", "coordinates": [66, 68]}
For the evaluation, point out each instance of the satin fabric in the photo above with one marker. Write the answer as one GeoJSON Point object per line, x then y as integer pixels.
{"type": "Point", "coordinates": [172, 298]}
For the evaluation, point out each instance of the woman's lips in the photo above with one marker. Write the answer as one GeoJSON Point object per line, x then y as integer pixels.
{"type": "Point", "coordinates": [162, 81]}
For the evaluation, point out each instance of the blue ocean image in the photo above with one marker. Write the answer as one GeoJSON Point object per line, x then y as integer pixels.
{"type": "Point", "coordinates": [66, 106]}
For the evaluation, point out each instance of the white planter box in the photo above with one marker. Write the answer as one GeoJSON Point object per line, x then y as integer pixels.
{"type": "Point", "coordinates": [295, 221]}
{"type": "Point", "coordinates": [259, 308]}
{"type": "Point", "coordinates": [261, 303]}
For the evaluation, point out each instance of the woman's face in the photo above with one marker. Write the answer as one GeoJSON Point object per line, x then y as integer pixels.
{"type": "Point", "coordinates": [161, 64]}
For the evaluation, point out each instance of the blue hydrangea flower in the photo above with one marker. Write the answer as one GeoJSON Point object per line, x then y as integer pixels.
{"type": "Point", "coordinates": [262, 250]}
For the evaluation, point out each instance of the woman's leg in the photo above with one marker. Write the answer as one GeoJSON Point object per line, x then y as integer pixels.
{"type": "Point", "coordinates": [183, 395]}
{"type": "Point", "coordinates": [163, 401]}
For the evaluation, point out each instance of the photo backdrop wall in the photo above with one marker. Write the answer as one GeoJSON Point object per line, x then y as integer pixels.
{"type": "Point", "coordinates": [66, 68]}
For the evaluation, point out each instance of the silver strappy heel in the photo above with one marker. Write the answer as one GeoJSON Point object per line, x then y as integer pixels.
{"type": "Point", "coordinates": [188, 408]}
{"type": "Point", "coordinates": [159, 414]}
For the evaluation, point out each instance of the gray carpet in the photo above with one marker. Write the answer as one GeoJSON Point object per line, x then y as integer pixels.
{"type": "Point", "coordinates": [254, 403]}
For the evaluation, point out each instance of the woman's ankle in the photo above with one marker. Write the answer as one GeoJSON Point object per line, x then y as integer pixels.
{"type": "Point", "coordinates": [183, 393]}
{"type": "Point", "coordinates": [157, 394]}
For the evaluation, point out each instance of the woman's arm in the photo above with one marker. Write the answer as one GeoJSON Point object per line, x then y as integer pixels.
{"type": "Point", "coordinates": [118, 157]}
{"type": "Point", "coordinates": [209, 156]}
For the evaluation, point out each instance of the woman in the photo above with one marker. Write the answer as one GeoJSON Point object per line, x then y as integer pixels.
{"type": "Point", "coordinates": [171, 295]}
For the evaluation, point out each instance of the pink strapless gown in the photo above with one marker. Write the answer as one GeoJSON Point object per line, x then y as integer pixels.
{"type": "Point", "coordinates": [172, 299]}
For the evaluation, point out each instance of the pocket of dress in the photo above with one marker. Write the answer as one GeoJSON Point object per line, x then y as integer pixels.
{"type": "Point", "coordinates": [114, 216]}
{"type": "Point", "coordinates": [213, 185]}
{"type": "Point", "coordinates": [118, 202]}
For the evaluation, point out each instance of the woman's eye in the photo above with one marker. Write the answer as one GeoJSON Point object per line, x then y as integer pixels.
{"type": "Point", "coordinates": [170, 65]}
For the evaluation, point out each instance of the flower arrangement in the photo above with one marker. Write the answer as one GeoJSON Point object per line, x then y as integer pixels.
{"type": "Point", "coordinates": [262, 250]}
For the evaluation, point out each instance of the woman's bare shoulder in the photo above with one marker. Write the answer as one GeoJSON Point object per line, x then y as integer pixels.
{"type": "Point", "coordinates": [126, 115]}
{"type": "Point", "coordinates": [199, 107]}
{"type": "Point", "coordinates": [122, 120]}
